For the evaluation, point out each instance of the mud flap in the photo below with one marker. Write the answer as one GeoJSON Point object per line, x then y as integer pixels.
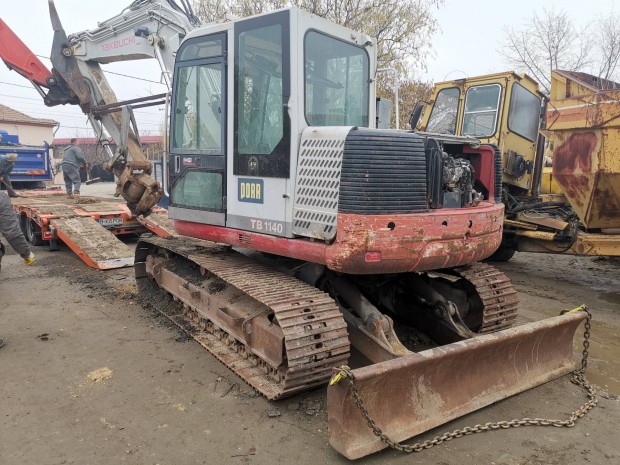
{"type": "Point", "coordinates": [415, 393]}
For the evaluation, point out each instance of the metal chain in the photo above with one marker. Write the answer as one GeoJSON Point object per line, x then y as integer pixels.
{"type": "Point", "coordinates": [578, 378]}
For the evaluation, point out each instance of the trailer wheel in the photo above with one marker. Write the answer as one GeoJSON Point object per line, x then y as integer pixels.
{"type": "Point", "coordinates": [33, 232]}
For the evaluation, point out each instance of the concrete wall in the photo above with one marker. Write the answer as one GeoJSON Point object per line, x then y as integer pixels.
{"type": "Point", "coordinates": [29, 134]}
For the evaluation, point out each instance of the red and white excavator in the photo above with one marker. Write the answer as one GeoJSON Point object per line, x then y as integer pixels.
{"type": "Point", "coordinates": [306, 238]}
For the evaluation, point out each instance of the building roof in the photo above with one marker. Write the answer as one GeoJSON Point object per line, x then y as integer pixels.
{"type": "Point", "coordinates": [589, 80]}
{"type": "Point", "coordinates": [92, 140]}
{"type": "Point", "coordinates": [8, 115]}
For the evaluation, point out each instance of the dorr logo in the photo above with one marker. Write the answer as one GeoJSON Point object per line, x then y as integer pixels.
{"type": "Point", "coordinates": [250, 190]}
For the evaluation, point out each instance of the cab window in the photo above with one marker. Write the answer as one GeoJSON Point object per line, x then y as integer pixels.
{"type": "Point", "coordinates": [198, 189]}
{"type": "Point", "coordinates": [524, 112]}
{"type": "Point", "coordinates": [481, 110]}
{"type": "Point", "coordinates": [262, 125]}
{"type": "Point", "coordinates": [443, 114]}
{"type": "Point", "coordinates": [336, 82]}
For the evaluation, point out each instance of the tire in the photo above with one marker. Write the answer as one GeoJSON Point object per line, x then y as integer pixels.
{"type": "Point", "coordinates": [33, 232]}
{"type": "Point", "coordinates": [503, 254]}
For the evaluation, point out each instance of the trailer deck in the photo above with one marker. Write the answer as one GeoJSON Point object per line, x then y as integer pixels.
{"type": "Point", "coordinates": [89, 226]}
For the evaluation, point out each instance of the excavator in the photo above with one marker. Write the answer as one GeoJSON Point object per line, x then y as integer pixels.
{"type": "Point", "coordinates": [560, 175]}
{"type": "Point", "coordinates": [305, 237]}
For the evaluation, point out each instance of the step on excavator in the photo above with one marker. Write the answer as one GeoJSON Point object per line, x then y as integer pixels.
{"type": "Point", "coordinates": [307, 239]}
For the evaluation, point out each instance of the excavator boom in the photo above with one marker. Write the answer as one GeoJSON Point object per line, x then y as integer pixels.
{"type": "Point", "coordinates": [18, 57]}
{"type": "Point", "coordinates": [146, 29]}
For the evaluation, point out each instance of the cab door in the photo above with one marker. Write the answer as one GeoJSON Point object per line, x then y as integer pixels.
{"type": "Point", "coordinates": [197, 164]}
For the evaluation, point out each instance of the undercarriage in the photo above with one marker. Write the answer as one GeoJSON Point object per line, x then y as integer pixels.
{"type": "Point", "coordinates": [282, 335]}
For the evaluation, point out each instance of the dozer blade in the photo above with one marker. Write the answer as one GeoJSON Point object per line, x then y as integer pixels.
{"type": "Point", "coordinates": [412, 394]}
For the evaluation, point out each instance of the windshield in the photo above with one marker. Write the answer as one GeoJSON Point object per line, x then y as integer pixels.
{"type": "Point", "coordinates": [198, 103]}
{"type": "Point", "coordinates": [443, 115]}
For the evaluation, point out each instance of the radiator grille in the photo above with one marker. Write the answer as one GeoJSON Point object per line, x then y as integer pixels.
{"type": "Point", "coordinates": [383, 172]}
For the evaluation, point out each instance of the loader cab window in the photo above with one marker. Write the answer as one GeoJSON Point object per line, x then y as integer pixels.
{"type": "Point", "coordinates": [481, 110]}
{"type": "Point", "coordinates": [262, 82]}
{"type": "Point", "coordinates": [336, 82]}
{"type": "Point", "coordinates": [445, 109]}
{"type": "Point", "coordinates": [524, 112]}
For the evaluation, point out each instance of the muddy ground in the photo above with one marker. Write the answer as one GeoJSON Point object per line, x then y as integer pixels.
{"type": "Point", "coordinates": [90, 376]}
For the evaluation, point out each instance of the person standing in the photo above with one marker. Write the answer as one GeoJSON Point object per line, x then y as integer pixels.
{"type": "Point", "coordinates": [6, 166]}
{"type": "Point", "coordinates": [9, 228]}
{"type": "Point", "coordinates": [72, 159]}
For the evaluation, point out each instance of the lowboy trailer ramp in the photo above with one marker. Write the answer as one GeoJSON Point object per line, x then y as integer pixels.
{"type": "Point", "coordinates": [89, 226]}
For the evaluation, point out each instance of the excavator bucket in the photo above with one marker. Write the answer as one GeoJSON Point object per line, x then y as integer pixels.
{"type": "Point", "coordinates": [412, 394]}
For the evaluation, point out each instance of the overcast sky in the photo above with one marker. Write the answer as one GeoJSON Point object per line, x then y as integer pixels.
{"type": "Point", "coordinates": [466, 45]}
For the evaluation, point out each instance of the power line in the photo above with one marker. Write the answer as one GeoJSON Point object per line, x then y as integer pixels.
{"type": "Point", "coordinates": [118, 74]}
{"type": "Point", "coordinates": [16, 85]}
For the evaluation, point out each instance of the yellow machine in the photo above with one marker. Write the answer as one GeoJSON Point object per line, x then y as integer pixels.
{"type": "Point", "coordinates": [562, 182]}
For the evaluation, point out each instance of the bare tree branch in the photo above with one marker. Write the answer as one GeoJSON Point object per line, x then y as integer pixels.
{"type": "Point", "coordinates": [549, 40]}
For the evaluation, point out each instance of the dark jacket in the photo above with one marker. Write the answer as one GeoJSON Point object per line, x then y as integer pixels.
{"type": "Point", "coordinates": [6, 167]}
{"type": "Point", "coordinates": [9, 227]}
{"type": "Point", "coordinates": [73, 156]}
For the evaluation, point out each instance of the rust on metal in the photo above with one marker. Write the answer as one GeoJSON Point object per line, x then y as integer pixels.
{"type": "Point", "coordinates": [406, 243]}
{"type": "Point", "coordinates": [500, 302]}
{"type": "Point", "coordinates": [584, 121]}
{"type": "Point", "coordinates": [575, 152]}
{"type": "Point", "coordinates": [413, 394]}
{"type": "Point", "coordinates": [293, 332]}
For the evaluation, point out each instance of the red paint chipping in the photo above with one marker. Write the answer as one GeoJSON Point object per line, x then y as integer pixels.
{"type": "Point", "coordinates": [418, 242]}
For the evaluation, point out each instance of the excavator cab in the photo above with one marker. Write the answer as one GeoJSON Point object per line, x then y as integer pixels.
{"type": "Point", "coordinates": [243, 94]}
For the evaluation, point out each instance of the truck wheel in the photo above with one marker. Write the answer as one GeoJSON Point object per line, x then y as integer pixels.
{"type": "Point", "coordinates": [503, 254]}
{"type": "Point", "coordinates": [33, 232]}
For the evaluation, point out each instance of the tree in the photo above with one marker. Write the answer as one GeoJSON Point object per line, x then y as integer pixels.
{"type": "Point", "coordinates": [402, 30]}
{"type": "Point", "coordinates": [411, 93]}
{"type": "Point", "coordinates": [608, 39]}
{"type": "Point", "coordinates": [550, 40]}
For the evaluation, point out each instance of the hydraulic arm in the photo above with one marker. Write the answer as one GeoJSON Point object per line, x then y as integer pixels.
{"type": "Point", "coordinates": [145, 29]}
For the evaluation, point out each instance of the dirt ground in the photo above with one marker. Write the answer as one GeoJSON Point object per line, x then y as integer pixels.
{"type": "Point", "coordinates": [89, 376]}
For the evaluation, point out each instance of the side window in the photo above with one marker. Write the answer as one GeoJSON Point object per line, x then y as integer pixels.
{"type": "Point", "coordinates": [260, 91]}
{"type": "Point", "coordinates": [336, 82]}
{"type": "Point", "coordinates": [443, 114]}
{"type": "Point", "coordinates": [524, 112]}
{"type": "Point", "coordinates": [481, 110]}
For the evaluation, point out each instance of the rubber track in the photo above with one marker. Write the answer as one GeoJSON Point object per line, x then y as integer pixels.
{"type": "Point", "coordinates": [499, 297]}
{"type": "Point", "coordinates": [315, 336]}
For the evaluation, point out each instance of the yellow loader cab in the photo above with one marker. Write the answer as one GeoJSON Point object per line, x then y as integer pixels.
{"type": "Point", "coordinates": [560, 177]}
{"type": "Point", "coordinates": [503, 109]}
